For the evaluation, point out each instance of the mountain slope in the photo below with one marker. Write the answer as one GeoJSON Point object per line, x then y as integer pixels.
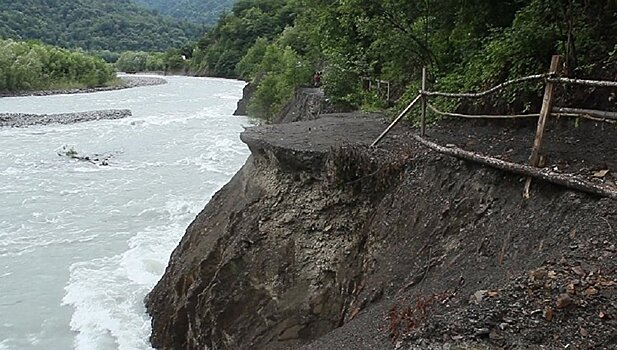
{"type": "Point", "coordinates": [197, 11]}
{"type": "Point", "coordinates": [114, 25]}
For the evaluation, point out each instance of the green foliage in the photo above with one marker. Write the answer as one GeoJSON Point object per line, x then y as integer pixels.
{"type": "Point", "coordinates": [34, 66]}
{"type": "Point", "coordinates": [175, 61]}
{"type": "Point", "coordinates": [283, 70]}
{"type": "Point", "coordinates": [132, 61]}
{"type": "Point", "coordinates": [115, 25]}
{"type": "Point", "coordinates": [372, 101]}
{"type": "Point", "coordinates": [108, 56]}
{"type": "Point", "coordinates": [249, 65]}
{"type": "Point", "coordinates": [540, 29]}
{"type": "Point", "coordinates": [140, 61]}
{"type": "Point", "coordinates": [468, 46]}
{"type": "Point", "coordinates": [204, 12]}
{"type": "Point", "coordinates": [223, 47]}
{"type": "Point", "coordinates": [344, 86]}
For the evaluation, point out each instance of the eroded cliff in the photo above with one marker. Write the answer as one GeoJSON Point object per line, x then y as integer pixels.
{"type": "Point", "coordinates": [274, 259]}
{"type": "Point", "coordinates": [323, 242]}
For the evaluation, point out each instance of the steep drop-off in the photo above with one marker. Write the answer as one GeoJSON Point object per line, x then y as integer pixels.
{"type": "Point", "coordinates": [320, 238]}
{"type": "Point", "coordinates": [273, 260]}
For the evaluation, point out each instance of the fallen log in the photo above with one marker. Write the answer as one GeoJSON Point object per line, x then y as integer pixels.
{"type": "Point", "coordinates": [599, 115]}
{"type": "Point", "coordinates": [568, 181]}
{"type": "Point", "coordinates": [97, 159]}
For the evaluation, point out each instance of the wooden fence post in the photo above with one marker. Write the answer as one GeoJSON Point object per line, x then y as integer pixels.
{"type": "Point", "coordinates": [423, 93]}
{"type": "Point", "coordinates": [388, 93]}
{"type": "Point", "coordinates": [547, 105]}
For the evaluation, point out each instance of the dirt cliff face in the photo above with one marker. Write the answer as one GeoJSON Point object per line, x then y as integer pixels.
{"type": "Point", "coordinates": [461, 258]}
{"type": "Point", "coordinates": [320, 237]}
{"type": "Point", "coordinates": [273, 260]}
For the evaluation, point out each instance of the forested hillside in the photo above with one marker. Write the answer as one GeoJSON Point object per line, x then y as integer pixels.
{"type": "Point", "coordinates": [204, 12]}
{"type": "Point", "coordinates": [114, 25]}
{"type": "Point", "coordinates": [468, 45]}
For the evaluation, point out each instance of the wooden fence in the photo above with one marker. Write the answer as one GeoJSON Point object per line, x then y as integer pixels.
{"type": "Point", "coordinates": [383, 87]}
{"type": "Point", "coordinates": [551, 78]}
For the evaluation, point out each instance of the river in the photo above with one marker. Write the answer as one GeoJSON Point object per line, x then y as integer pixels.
{"type": "Point", "coordinates": [82, 244]}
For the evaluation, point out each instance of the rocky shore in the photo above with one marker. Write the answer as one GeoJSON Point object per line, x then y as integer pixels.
{"type": "Point", "coordinates": [126, 83]}
{"type": "Point", "coordinates": [18, 120]}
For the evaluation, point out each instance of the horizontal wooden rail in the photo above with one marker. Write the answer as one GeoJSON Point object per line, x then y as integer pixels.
{"type": "Point", "coordinates": [600, 116]}
{"type": "Point", "coordinates": [601, 83]}
{"type": "Point", "coordinates": [479, 116]}
{"type": "Point", "coordinates": [375, 80]}
{"type": "Point", "coordinates": [489, 91]}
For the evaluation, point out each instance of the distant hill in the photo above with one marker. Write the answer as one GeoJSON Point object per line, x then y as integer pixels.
{"type": "Point", "coordinates": [115, 25]}
{"type": "Point", "coordinates": [197, 11]}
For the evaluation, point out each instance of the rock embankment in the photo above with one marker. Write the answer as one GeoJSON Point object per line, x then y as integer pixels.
{"type": "Point", "coordinates": [126, 83]}
{"type": "Point", "coordinates": [18, 120]}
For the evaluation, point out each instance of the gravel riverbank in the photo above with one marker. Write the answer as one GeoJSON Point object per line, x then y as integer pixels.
{"type": "Point", "coordinates": [127, 82]}
{"type": "Point", "coordinates": [18, 120]}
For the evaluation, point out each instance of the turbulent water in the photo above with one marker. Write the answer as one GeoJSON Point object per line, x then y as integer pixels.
{"type": "Point", "coordinates": [82, 244]}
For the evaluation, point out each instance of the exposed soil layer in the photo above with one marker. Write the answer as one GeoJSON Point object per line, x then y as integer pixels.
{"type": "Point", "coordinates": [481, 268]}
{"type": "Point", "coordinates": [271, 260]}
{"type": "Point", "coordinates": [127, 82]}
{"type": "Point", "coordinates": [321, 242]}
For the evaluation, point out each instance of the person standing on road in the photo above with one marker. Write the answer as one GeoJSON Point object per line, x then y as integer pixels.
{"type": "Point", "coordinates": [317, 79]}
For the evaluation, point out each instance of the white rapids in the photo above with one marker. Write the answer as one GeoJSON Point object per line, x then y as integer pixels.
{"type": "Point", "coordinates": [82, 244]}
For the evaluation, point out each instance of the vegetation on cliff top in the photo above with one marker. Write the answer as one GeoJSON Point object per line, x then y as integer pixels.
{"type": "Point", "coordinates": [467, 45]}
{"type": "Point", "coordinates": [35, 66]}
{"type": "Point", "coordinates": [114, 25]}
{"type": "Point", "coordinates": [279, 44]}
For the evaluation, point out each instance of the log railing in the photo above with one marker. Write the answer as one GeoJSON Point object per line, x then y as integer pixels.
{"type": "Point", "coordinates": [489, 91]}
{"type": "Point", "coordinates": [374, 83]}
{"type": "Point", "coordinates": [531, 171]}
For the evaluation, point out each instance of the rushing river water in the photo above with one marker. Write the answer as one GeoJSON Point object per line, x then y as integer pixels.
{"type": "Point", "coordinates": [81, 244]}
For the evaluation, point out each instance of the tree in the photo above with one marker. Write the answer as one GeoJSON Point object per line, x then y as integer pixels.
{"type": "Point", "coordinates": [35, 66]}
